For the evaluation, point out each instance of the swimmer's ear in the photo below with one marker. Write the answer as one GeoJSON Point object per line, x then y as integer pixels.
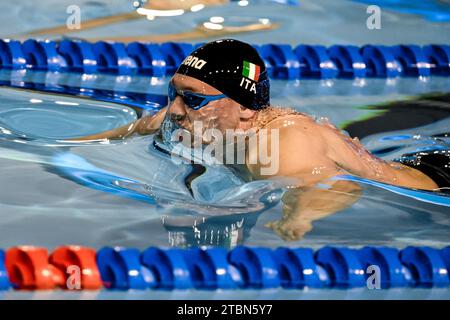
{"type": "Point", "coordinates": [246, 113]}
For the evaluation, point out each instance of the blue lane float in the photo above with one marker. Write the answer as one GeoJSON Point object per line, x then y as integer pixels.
{"type": "Point", "coordinates": [427, 266]}
{"type": "Point", "coordinates": [412, 60]}
{"type": "Point", "coordinates": [282, 60]}
{"type": "Point", "coordinates": [79, 56]}
{"type": "Point", "coordinates": [4, 279]}
{"type": "Point", "coordinates": [42, 55]}
{"type": "Point", "coordinates": [11, 55]}
{"type": "Point", "coordinates": [348, 60]}
{"type": "Point", "coordinates": [149, 58]}
{"type": "Point", "coordinates": [393, 272]}
{"type": "Point", "coordinates": [210, 269]}
{"type": "Point", "coordinates": [380, 62]}
{"type": "Point", "coordinates": [257, 267]}
{"type": "Point", "coordinates": [120, 268]}
{"type": "Point", "coordinates": [174, 54]}
{"type": "Point", "coordinates": [264, 268]}
{"type": "Point", "coordinates": [439, 57]}
{"type": "Point", "coordinates": [445, 253]}
{"type": "Point", "coordinates": [113, 58]}
{"type": "Point", "coordinates": [169, 266]}
{"type": "Point", "coordinates": [343, 267]}
{"type": "Point", "coordinates": [298, 269]}
{"type": "Point", "coordinates": [315, 63]}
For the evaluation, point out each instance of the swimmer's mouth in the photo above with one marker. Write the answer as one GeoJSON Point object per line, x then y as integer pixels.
{"type": "Point", "coordinates": [180, 129]}
{"type": "Point", "coordinates": [181, 122]}
{"type": "Point", "coordinates": [175, 130]}
{"type": "Point", "coordinates": [176, 117]}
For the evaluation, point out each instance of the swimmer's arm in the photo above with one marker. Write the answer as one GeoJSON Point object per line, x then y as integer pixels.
{"type": "Point", "coordinates": [302, 206]}
{"type": "Point", "coordinates": [142, 126]}
{"type": "Point", "coordinates": [302, 155]}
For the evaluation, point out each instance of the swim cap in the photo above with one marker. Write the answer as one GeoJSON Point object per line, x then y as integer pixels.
{"type": "Point", "coordinates": [232, 67]}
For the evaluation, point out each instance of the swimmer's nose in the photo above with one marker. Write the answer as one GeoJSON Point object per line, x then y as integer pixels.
{"type": "Point", "coordinates": [178, 108]}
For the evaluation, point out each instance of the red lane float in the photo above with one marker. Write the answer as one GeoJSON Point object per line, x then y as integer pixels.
{"type": "Point", "coordinates": [69, 267]}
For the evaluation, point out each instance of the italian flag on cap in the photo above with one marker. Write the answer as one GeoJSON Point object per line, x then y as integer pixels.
{"type": "Point", "coordinates": [250, 70]}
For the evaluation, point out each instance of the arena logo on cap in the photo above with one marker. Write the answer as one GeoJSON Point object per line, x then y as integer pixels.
{"type": "Point", "coordinates": [194, 62]}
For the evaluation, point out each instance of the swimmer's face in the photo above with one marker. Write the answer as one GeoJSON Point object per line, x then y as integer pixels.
{"type": "Point", "coordinates": [221, 114]}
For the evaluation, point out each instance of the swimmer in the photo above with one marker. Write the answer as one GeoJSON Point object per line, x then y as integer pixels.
{"type": "Point", "coordinates": [224, 85]}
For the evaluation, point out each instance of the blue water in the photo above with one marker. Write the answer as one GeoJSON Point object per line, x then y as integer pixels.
{"type": "Point", "coordinates": [126, 193]}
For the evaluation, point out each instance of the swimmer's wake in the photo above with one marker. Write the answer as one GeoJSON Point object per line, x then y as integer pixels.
{"type": "Point", "coordinates": [241, 200]}
{"type": "Point", "coordinates": [87, 174]}
{"type": "Point", "coordinates": [81, 171]}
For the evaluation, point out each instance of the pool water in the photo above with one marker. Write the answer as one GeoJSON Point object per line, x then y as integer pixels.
{"type": "Point", "coordinates": [127, 193]}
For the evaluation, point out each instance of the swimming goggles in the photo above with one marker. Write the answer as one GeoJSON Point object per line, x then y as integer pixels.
{"type": "Point", "coordinates": [192, 100]}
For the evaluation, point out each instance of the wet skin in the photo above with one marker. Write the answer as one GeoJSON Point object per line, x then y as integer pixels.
{"type": "Point", "coordinates": [310, 151]}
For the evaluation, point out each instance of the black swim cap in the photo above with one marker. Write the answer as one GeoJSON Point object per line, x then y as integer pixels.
{"type": "Point", "coordinates": [232, 67]}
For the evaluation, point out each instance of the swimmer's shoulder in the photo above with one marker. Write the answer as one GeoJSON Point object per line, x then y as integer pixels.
{"type": "Point", "coordinates": [279, 118]}
{"type": "Point", "coordinates": [295, 130]}
{"type": "Point", "coordinates": [298, 147]}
